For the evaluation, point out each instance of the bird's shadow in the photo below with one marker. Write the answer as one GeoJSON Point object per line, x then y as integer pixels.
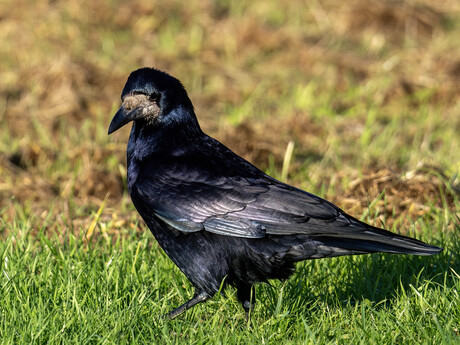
{"type": "Point", "coordinates": [378, 278]}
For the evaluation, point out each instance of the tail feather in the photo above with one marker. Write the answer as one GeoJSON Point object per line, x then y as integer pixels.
{"type": "Point", "coordinates": [391, 245]}
{"type": "Point", "coordinates": [371, 240]}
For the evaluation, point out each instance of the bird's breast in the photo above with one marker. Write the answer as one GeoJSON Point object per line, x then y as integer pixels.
{"type": "Point", "coordinates": [132, 173]}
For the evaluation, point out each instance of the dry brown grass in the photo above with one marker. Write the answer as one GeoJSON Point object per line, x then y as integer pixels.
{"type": "Point", "coordinates": [64, 64]}
{"type": "Point", "coordinates": [418, 193]}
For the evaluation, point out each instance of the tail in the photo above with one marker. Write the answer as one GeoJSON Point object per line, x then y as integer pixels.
{"type": "Point", "coordinates": [370, 240]}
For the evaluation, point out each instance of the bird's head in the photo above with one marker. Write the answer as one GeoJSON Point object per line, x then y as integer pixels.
{"type": "Point", "coordinates": [154, 98]}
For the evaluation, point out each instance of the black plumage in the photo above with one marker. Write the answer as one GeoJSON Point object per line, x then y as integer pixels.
{"type": "Point", "coordinates": [217, 216]}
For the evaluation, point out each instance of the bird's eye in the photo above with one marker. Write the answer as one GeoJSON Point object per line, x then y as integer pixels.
{"type": "Point", "coordinates": [154, 97]}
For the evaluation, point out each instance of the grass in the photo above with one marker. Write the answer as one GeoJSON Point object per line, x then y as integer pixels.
{"type": "Point", "coordinates": [115, 291]}
{"type": "Point", "coordinates": [356, 102]}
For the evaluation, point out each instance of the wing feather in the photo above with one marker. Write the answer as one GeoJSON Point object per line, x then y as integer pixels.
{"type": "Point", "coordinates": [194, 194]}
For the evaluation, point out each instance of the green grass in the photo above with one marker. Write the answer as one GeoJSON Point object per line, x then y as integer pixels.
{"type": "Point", "coordinates": [106, 291]}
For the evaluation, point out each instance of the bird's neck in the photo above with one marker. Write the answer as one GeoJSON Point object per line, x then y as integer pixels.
{"type": "Point", "coordinates": [172, 137]}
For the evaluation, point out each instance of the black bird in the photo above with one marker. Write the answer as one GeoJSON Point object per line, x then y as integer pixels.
{"type": "Point", "coordinates": [217, 216]}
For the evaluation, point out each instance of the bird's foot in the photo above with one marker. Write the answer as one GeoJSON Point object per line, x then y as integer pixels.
{"type": "Point", "coordinates": [197, 298]}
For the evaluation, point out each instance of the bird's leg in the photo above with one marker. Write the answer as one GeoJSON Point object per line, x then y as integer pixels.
{"type": "Point", "coordinates": [246, 294]}
{"type": "Point", "coordinates": [197, 298]}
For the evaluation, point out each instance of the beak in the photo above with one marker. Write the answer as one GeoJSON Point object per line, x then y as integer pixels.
{"type": "Point", "coordinates": [123, 116]}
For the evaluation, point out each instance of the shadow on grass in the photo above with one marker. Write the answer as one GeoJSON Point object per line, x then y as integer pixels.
{"type": "Point", "coordinates": [378, 278]}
